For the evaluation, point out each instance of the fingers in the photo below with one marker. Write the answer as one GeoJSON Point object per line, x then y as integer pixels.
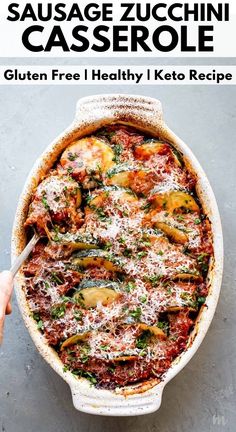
{"type": "Point", "coordinates": [8, 309]}
{"type": "Point", "coordinates": [6, 287]}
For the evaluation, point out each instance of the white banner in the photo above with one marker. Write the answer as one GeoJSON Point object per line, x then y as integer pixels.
{"type": "Point", "coordinates": [125, 75]}
{"type": "Point", "coordinates": [193, 28]}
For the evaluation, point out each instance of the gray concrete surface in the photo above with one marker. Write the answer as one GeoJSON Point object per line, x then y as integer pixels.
{"type": "Point", "coordinates": [202, 397]}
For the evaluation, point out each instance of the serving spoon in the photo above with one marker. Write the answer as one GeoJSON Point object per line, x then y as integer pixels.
{"type": "Point", "coordinates": [24, 254]}
{"type": "Point", "coordinates": [6, 308]}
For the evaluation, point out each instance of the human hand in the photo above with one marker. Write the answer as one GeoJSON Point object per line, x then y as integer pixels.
{"type": "Point", "coordinates": [6, 288]}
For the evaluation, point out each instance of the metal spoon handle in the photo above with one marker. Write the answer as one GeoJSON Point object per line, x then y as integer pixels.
{"type": "Point", "coordinates": [24, 254]}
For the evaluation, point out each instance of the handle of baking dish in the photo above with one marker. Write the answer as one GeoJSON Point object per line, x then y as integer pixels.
{"type": "Point", "coordinates": [110, 403]}
{"type": "Point", "coordinates": [143, 112]}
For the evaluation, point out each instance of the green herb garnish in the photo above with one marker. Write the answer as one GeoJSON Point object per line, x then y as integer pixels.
{"type": "Point", "coordinates": [85, 374]}
{"type": "Point", "coordinates": [163, 325]}
{"type": "Point", "coordinates": [146, 207]}
{"type": "Point", "coordinates": [143, 298]}
{"type": "Point", "coordinates": [129, 287]}
{"type": "Point", "coordinates": [143, 339]}
{"type": "Point", "coordinates": [56, 278]}
{"type": "Point", "coordinates": [136, 313]}
{"type": "Point", "coordinates": [141, 254]}
{"type": "Point", "coordinates": [78, 315]}
{"type": "Point", "coordinates": [58, 311]}
{"type": "Point", "coordinates": [104, 347]}
{"type": "Point", "coordinates": [118, 148]}
{"type": "Point", "coordinates": [72, 156]}
{"type": "Point", "coordinates": [201, 300]}
{"type": "Point", "coordinates": [45, 203]}
{"type": "Point", "coordinates": [153, 279]}
{"type": "Point", "coordinates": [40, 325]}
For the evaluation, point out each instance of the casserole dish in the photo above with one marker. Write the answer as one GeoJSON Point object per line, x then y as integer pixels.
{"type": "Point", "coordinates": [145, 114]}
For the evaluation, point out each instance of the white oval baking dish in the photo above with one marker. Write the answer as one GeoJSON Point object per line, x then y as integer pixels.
{"type": "Point", "coordinates": [145, 114]}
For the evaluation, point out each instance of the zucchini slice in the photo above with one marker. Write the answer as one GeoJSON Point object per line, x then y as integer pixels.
{"type": "Point", "coordinates": [87, 155]}
{"type": "Point", "coordinates": [187, 277]}
{"type": "Point", "coordinates": [74, 339]}
{"type": "Point", "coordinates": [91, 292]}
{"type": "Point", "coordinates": [76, 241]}
{"type": "Point", "coordinates": [174, 309]}
{"type": "Point", "coordinates": [148, 149]}
{"type": "Point", "coordinates": [96, 258]}
{"type": "Point", "coordinates": [175, 200]}
{"type": "Point", "coordinates": [117, 194]}
{"type": "Point", "coordinates": [174, 234]}
{"type": "Point", "coordinates": [156, 331]}
{"type": "Point", "coordinates": [125, 358]}
{"type": "Point", "coordinates": [90, 297]}
{"type": "Point", "coordinates": [123, 175]}
{"type": "Point", "coordinates": [100, 283]}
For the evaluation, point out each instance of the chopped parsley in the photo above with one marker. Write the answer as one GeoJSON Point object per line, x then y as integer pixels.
{"type": "Point", "coordinates": [85, 374]}
{"type": "Point", "coordinates": [136, 313]}
{"type": "Point", "coordinates": [56, 278]}
{"type": "Point", "coordinates": [143, 298]}
{"type": "Point", "coordinates": [143, 339]}
{"type": "Point", "coordinates": [100, 212]}
{"type": "Point", "coordinates": [104, 347]}
{"type": "Point", "coordinates": [107, 245]}
{"type": "Point", "coordinates": [95, 176]}
{"type": "Point", "coordinates": [40, 325]}
{"type": "Point", "coordinates": [201, 300]}
{"type": "Point", "coordinates": [202, 260]}
{"type": "Point", "coordinates": [78, 315]}
{"type": "Point", "coordinates": [127, 252]}
{"type": "Point", "coordinates": [47, 285]}
{"type": "Point", "coordinates": [88, 198]}
{"type": "Point", "coordinates": [36, 316]}
{"type": "Point", "coordinates": [180, 217]}
{"type": "Point", "coordinates": [188, 299]}
{"type": "Point", "coordinates": [146, 207]}
{"type": "Point", "coordinates": [185, 269]}
{"type": "Point", "coordinates": [118, 148]}
{"type": "Point", "coordinates": [79, 299]}
{"type": "Point", "coordinates": [84, 352]}
{"type": "Point", "coordinates": [129, 287]}
{"type": "Point", "coordinates": [105, 133]}
{"type": "Point", "coordinates": [141, 254]}
{"type": "Point", "coordinates": [146, 243]}
{"type": "Point", "coordinates": [122, 240]}
{"type": "Point", "coordinates": [72, 156]}
{"type": "Point", "coordinates": [153, 279]}
{"type": "Point", "coordinates": [58, 311]}
{"type": "Point", "coordinates": [56, 236]}
{"type": "Point", "coordinates": [163, 325]}
{"type": "Point", "coordinates": [45, 203]}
